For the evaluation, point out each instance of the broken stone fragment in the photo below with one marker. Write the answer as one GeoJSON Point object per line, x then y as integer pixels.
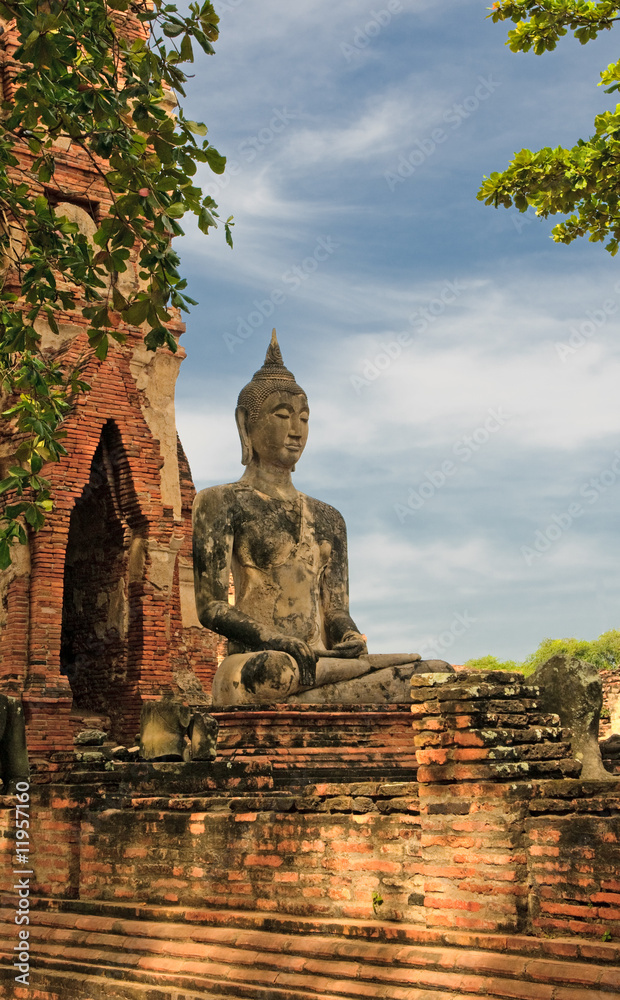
{"type": "Point", "coordinates": [611, 747]}
{"type": "Point", "coordinates": [163, 729]}
{"type": "Point", "coordinates": [610, 752]}
{"type": "Point", "coordinates": [202, 732]}
{"type": "Point", "coordinates": [90, 738]}
{"type": "Point", "coordinates": [92, 757]}
{"type": "Point", "coordinates": [572, 689]}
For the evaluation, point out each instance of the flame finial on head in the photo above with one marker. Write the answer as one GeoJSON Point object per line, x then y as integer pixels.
{"type": "Point", "coordinates": [273, 376]}
{"type": "Point", "coordinates": [274, 354]}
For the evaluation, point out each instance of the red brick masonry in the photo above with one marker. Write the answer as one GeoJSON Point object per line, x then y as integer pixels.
{"type": "Point", "coordinates": [244, 878]}
{"type": "Point", "coordinates": [96, 612]}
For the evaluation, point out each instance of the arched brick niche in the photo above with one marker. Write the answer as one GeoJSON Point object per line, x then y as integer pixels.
{"type": "Point", "coordinates": [101, 609]}
{"type": "Point", "coordinates": [97, 612]}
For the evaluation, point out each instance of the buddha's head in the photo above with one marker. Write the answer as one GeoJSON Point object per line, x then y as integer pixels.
{"type": "Point", "coordinates": [272, 414]}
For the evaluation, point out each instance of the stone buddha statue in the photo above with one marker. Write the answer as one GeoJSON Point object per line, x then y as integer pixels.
{"type": "Point", "coordinates": [290, 635]}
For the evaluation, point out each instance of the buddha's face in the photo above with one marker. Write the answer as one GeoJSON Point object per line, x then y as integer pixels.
{"type": "Point", "coordinates": [280, 431]}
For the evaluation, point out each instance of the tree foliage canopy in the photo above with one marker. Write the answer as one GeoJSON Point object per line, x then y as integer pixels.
{"type": "Point", "coordinates": [87, 73]}
{"type": "Point", "coordinates": [582, 180]}
{"type": "Point", "coordinates": [603, 653]}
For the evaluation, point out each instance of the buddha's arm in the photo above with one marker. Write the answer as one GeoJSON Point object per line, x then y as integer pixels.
{"type": "Point", "coordinates": [213, 540]}
{"type": "Point", "coordinates": [342, 632]}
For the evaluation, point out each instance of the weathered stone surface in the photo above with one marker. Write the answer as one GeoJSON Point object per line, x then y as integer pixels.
{"type": "Point", "coordinates": [573, 690]}
{"type": "Point", "coordinates": [290, 634]}
{"type": "Point", "coordinates": [90, 738]}
{"type": "Point", "coordinates": [611, 747]}
{"type": "Point", "coordinates": [163, 729]}
{"type": "Point", "coordinates": [93, 757]}
{"type": "Point", "coordinates": [202, 734]}
{"type": "Point", "coordinates": [610, 752]}
{"type": "Point", "coordinates": [387, 685]}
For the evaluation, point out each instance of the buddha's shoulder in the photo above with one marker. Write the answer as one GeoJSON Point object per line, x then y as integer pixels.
{"type": "Point", "coordinates": [223, 496]}
{"type": "Point", "coordinates": [324, 513]}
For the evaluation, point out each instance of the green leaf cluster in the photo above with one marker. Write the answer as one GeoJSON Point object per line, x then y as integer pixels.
{"type": "Point", "coordinates": [582, 182]}
{"type": "Point", "coordinates": [102, 78]}
{"type": "Point", "coordinates": [541, 25]}
{"type": "Point", "coordinates": [603, 653]}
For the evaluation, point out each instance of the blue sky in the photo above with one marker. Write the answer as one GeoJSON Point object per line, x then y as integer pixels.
{"type": "Point", "coordinates": [473, 458]}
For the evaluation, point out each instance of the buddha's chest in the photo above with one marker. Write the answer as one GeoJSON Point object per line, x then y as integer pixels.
{"type": "Point", "coordinates": [275, 533]}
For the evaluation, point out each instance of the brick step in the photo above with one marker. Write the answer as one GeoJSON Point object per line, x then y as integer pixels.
{"type": "Point", "coordinates": [241, 983]}
{"type": "Point", "coordinates": [232, 922]}
{"type": "Point", "coordinates": [274, 966]}
{"type": "Point", "coordinates": [312, 765]}
{"type": "Point", "coordinates": [76, 981]}
{"type": "Point", "coordinates": [239, 947]}
{"type": "Point", "coordinates": [139, 984]}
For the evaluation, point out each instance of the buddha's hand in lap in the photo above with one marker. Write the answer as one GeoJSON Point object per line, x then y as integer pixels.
{"type": "Point", "coordinates": [351, 646]}
{"type": "Point", "coordinates": [301, 652]}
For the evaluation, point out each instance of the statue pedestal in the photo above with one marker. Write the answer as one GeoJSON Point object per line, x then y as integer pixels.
{"type": "Point", "coordinates": [314, 743]}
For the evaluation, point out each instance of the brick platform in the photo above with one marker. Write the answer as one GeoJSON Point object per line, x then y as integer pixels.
{"type": "Point", "coordinates": [260, 875]}
{"type": "Point", "coordinates": [306, 743]}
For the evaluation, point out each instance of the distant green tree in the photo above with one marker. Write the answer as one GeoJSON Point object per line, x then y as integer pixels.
{"type": "Point", "coordinates": [585, 179]}
{"type": "Point", "coordinates": [492, 663]}
{"type": "Point", "coordinates": [82, 75]}
{"type": "Point", "coordinates": [603, 653]}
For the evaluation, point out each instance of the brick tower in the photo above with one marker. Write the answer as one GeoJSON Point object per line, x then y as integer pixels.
{"type": "Point", "coordinates": [97, 611]}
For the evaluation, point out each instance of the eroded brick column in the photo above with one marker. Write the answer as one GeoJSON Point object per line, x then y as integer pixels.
{"type": "Point", "coordinates": [480, 741]}
{"type": "Point", "coordinates": [573, 846]}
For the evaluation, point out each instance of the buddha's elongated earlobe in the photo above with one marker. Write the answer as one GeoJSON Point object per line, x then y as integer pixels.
{"type": "Point", "coordinates": [241, 417]}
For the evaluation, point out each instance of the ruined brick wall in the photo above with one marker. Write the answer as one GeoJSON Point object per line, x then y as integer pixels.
{"type": "Point", "coordinates": [97, 612]}
{"type": "Point", "coordinates": [108, 612]}
{"type": "Point", "coordinates": [496, 835]}
{"type": "Point", "coordinates": [610, 720]}
{"type": "Point", "coordinates": [481, 740]}
{"type": "Point", "coordinates": [573, 845]}
{"type": "Point", "coordinates": [489, 845]}
{"type": "Point", "coordinates": [610, 723]}
{"type": "Point", "coordinates": [190, 645]}
{"type": "Point", "coordinates": [322, 855]}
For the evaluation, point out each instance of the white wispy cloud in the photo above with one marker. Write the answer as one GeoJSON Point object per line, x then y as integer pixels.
{"type": "Point", "coordinates": [490, 344]}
